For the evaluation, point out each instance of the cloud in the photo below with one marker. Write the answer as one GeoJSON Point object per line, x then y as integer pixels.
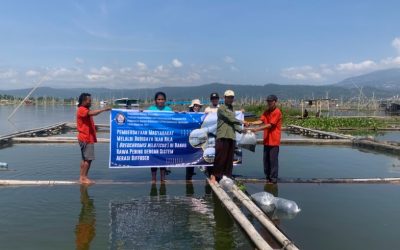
{"type": "Point", "coordinates": [8, 73]}
{"type": "Point", "coordinates": [301, 73]}
{"type": "Point", "coordinates": [142, 66]}
{"type": "Point", "coordinates": [79, 60]}
{"type": "Point", "coordinates": [229, 60]}
{"type": "Point", "coordinates": [396, 44]}
{"type": "Point", "coordinates": [176, 63]}
{"type": "Point", "coordinates": [339, 71]}
{"type": "Point", "coordinates": [102, 74]}
{"type": "Point", "coordinates": [350, 66]}
{"type": "Point", "coordinates": [32, 73]}
{"type": "Point", "coordinates": [391, 61]}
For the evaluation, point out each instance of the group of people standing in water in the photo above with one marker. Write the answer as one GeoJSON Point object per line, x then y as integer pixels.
{"type": "Point", "coordinates": [227, 125]}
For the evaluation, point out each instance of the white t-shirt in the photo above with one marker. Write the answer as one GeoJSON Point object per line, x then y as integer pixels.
{"type": "Point", "coordinates": [211, 109]}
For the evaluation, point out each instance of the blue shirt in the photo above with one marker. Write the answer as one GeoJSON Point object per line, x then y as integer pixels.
{"type": "Point", "coordinates": [155, 108]}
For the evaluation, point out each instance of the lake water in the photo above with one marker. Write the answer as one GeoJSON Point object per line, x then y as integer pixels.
{"type": "Point", "coordinates": [333, 216]}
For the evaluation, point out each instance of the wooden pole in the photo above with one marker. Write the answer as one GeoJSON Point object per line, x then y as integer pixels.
{"type": "Point", "coordinates": [237, 214]}
{"type": "Point", "coordinates": [263, 219]}
{"type": "Point", "coordinates": [98, 182]}
{"type": "Point", "coordinates": [395, 180]}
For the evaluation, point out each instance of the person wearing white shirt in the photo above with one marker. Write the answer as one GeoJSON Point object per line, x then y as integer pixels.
{"type": "Point", "coordinates": [214, 99]}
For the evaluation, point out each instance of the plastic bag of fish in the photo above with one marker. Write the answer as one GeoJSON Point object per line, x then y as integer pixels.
{"type": "Point", "coordinates": [226, 183]}
{"type": "Point", "coordinates": [248, 141]}
{"type": "Point", "coordinates": [276, 207]}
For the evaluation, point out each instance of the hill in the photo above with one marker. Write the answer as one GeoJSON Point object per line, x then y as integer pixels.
{"type": "Point", "coordinates": [388, 79]}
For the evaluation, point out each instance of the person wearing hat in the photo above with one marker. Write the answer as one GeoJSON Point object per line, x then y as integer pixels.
{"type": "Point", "coordinates": [195, 106]}
{"type": "Point", "coordinates": [227, 126]}
{"type": "Point", "coordinates": [271, 124]}
{"type": "Point", "coordinates": [214, 99]}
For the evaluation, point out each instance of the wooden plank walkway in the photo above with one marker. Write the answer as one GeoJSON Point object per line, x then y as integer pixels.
{"type": "Point", "coordinates": [318, 133]}
{"type": "Point", "coordinates": [43, 131]}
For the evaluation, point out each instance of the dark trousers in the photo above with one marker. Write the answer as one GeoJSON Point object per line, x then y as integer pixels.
{"type": "Point", "coordinates": [271, 164]}
{"type": "Point", "coordinates": [223, 162]}
{"type": "Point", "coordinates": [189, 173]}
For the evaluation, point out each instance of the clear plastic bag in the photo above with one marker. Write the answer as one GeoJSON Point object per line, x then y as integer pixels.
{"type": "Point", "coordinates": [226, 183]}
{"type": "Point", "coordinates": [286, 206]}
{"type": "Point", "coordinates": [248, 141]}
{"type": "Point", "coordinates": [265, 201]}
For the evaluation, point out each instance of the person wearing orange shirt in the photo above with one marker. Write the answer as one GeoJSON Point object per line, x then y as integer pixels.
{"type": "Point", "coordinates": [86, 134]}
{"type": "Point", "coordinates": [271, 124]}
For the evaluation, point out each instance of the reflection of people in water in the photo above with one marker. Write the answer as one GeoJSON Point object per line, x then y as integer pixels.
{"type": "Point", "coordinates": [272, 189]}
{"type": "Point", "coordinates": [155, 192]}
{"type": "Point", "coordinates": [189, 189]}
{"type": "Point", "coordinates": [85, 230]}
{"type": "Point", "coordinates": [223, 234]}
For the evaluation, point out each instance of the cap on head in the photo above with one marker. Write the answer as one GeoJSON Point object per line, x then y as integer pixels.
{"type": "Point", "coordinates": [214, 96]}
{"type": "Point", "coordinates": [195, 102]}
{"type": "Point", "coordinates": [272, 98]}
{"type": "Point", "coordinates": [229, 93]}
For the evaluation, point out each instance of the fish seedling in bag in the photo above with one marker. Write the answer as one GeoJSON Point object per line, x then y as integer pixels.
{"type": "Point", "coordinates": [248, 141]}
{"type": "Point", "coordinates": [265, 201]}
{"type": "Point", "coordinates": [226, 183]}
{"type": "Point", "coordinates": [286, 206]}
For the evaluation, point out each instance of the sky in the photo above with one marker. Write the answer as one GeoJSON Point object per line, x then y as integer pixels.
{"type": "Point", "coordinates": [140, 44]}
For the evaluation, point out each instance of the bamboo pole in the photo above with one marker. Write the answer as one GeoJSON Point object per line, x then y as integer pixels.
{"type": "Point", "coordinates": [263, 219]}
{"type": "Point", "coordinates": [233, 209]}
{"type": "Point", "coordinates": [98, 182]}
{"type": "Point", "coordinates": [284, 141]}
{"type": "Point", "coordinates": [394, 180]}
{"type": "Point", "coordinates": [52, 140]}
{"type": "Point", "coordinates": [44, 78]}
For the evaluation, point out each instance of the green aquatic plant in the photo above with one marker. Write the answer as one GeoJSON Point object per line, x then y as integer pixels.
{"type": "Point", "coordinates": [241, 186]}
{"type": "Point", "coordinates": [334, 123]}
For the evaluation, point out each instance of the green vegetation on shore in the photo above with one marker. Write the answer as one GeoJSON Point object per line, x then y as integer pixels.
{"type": "Point", "coordinates": [335, 123]}
{"type": "Point", "coordinates": [292, 116]}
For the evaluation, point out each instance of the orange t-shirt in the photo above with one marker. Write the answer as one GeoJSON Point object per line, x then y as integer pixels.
{"type": "Point", "coordinates": [85, 126]}
{"type": "Point", "coordinates": [272, 136]}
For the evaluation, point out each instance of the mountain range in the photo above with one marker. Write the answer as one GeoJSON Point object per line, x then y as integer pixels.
{"type": "Point", "coordinates": [381, 84]}
{"type": "Point", "coordinates": [388, 79]}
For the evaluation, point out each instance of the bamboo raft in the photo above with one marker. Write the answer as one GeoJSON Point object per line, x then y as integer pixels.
{"type": "Point", "coordinates": [240, 218]}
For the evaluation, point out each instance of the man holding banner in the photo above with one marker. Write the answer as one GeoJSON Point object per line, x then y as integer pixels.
{"type": "Point", "coordinates": [86, 134]}
{"type": "Point", "coordinates": [227, 126]}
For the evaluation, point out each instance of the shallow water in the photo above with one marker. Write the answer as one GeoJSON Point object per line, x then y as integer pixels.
{"type": "Point", "coordinates": [68, 217]}
{"type": "Point", "coordinates": [104, 216]}
{"type": "Point", "coordinates": [345, 216]}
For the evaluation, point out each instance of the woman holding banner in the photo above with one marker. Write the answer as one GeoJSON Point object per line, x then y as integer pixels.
{"type": "Point", "coordinates": [159, 105]}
